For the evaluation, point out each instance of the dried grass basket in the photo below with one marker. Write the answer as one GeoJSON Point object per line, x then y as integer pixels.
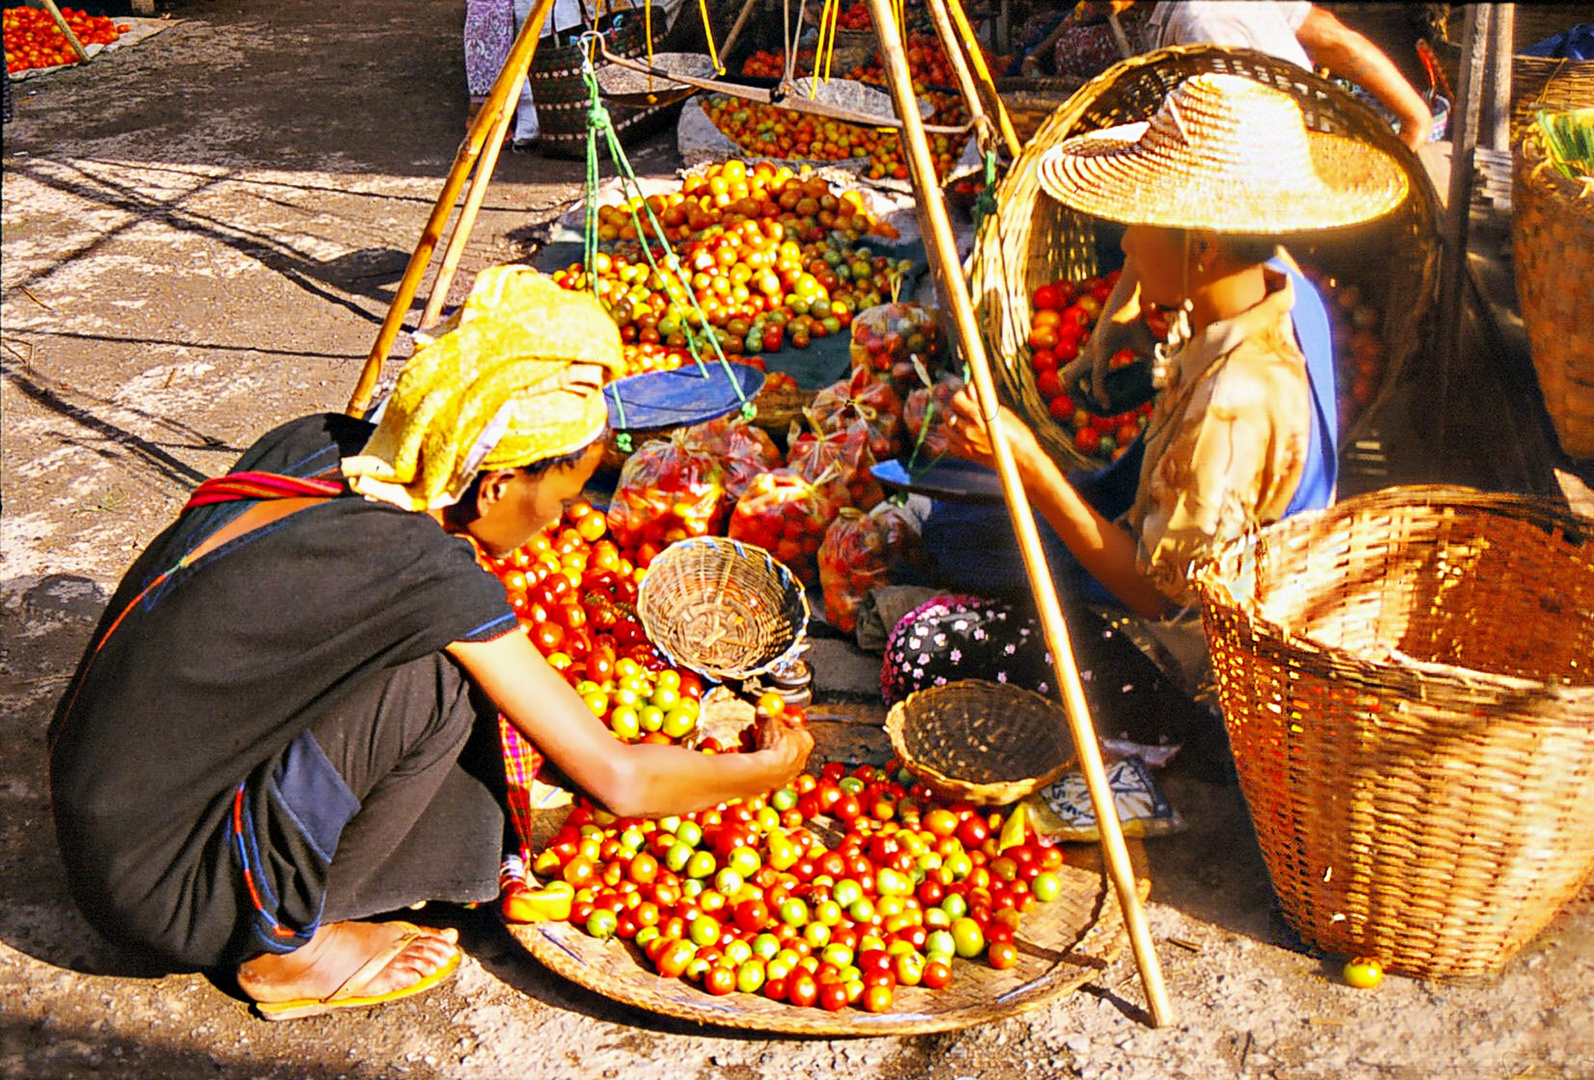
{"type": "Point", "coordinates": [1536, 81]}
{"type": "Point", "coordinates": [723, 608]}
{"type": "Point", "coordinates": [1032, 239]}
{"type": "Point", "coordinates": [1552, 223]}
{"type": "Point", "coordinates": [560, 93]}
{"type": "Point", "coordinates": [781, 406]}
{"type": "Point", "coordinates": [1407, 680]}
{"type": "Point", "coordinates": [985, 743]}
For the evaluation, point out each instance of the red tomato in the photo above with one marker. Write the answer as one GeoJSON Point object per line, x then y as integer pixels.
{"type": "Point", "coordinates": [1046, 298]}
{"type": "Point", "coordinates": [802, 990]}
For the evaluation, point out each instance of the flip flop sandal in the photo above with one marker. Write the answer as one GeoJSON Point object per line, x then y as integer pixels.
{"type": "Point", "coordinates": [348, 995]}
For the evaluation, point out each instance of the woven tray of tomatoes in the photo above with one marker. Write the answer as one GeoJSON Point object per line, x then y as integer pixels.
{"type": "Point", "coordinates": [35, 45]}
{"type": "Point", "coordinates": [851, 902]}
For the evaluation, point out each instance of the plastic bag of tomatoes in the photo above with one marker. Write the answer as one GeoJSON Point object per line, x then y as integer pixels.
{"type": "Point", "coordinates": [893, 340]}
{"type": "Point", "coordinates": [839, 462]}
{"type": "Point", "coordinates": [669, 490]}
{"type": "Point", "coordinates": [925, 415]}
{"type": "Point", "coordinates": [743, 450]}
{"type": "Point", "coordinates": [859, 553]}
{"type": "Point", "coordinates": [869, 399]}
{"type": "Point", "coordinates": [787, 515]}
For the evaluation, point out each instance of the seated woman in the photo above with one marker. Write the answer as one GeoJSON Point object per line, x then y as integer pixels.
{"type": "Point", "coordinates": [1242, 430]}
{"type": "Point", "coordinates": [260, 747]}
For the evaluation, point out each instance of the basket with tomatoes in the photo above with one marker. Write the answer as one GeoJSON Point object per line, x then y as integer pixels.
{"type": "Point", "coordinates": [852, 900]}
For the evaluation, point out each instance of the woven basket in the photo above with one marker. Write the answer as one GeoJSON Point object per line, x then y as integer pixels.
{"type": "Point", "coordinates": [1408, 684]}
{"type": "Point", "coordinates": [1029, 102]}
{"type": "Point", "coordinates": [1552, 222]}
{"type": "Point", "coordinates": [1032, 239]}
{"type": "Point", "coordinates": [560, 93]}
{"type": "Point", "coordinates": [725, 609]}
{"type": "Point", "coordinates": [986, 743]}
{"type": "Point", "coordinates": [1535, 81]}
{"type": "Point", "coordinates": [780, 406]}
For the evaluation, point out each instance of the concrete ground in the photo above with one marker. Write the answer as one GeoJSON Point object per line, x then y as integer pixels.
{"type": "Point", "coordinates": [201, 235]}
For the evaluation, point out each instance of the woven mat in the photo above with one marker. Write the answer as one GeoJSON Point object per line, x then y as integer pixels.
{"type": "Point", "coordinates": [141, 30]}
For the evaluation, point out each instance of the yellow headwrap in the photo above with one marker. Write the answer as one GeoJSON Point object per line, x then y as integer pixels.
{"type": "Point", "coordinates": [514, 377]}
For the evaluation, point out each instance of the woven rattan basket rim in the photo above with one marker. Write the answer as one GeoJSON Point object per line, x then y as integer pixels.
{"type": "Point", "coordinates": [990, 793]}
{"type": "Point", "coordinates": [1534, 169]}
{"type": "Point", "coordinates": [1436, 683]}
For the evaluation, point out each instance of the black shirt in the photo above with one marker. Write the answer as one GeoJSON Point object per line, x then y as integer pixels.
{"type": "Point", "coordinates": [199, 677]}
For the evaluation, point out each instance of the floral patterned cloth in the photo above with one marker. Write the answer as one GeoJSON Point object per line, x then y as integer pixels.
{"type": "Point", "coordinates": [958, 636]}
{"type": "Point", "coordinates": [1228, 440]}
{"type": "Point", "coordinates": [489, 32]}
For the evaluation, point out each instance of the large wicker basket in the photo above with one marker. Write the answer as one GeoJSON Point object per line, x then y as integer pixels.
{"type": "Point", "coordinates": [1552, 221]}
{"type": "Point", "coordinates": [1032, 239]}
{"type": "Point", "coordinates": [1536, 81]}
{"type": "Point", "coordinates": [1408, 684]}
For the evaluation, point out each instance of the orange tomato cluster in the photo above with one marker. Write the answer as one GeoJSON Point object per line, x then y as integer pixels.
{"type": "Point", "coordinates": [744, 898]}
{"type": "Point", "coordinates": [574, 589]}
{"type": "Point", "coordinates": [1065, 313]}
{"type": "Point", "coordinates": [34, 41]}
{"type": "Point", "coordinates": [772, 132]}
{"type": "Point", "coordinates": [771, 258]}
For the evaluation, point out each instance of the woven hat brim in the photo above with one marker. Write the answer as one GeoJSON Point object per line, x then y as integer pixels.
{"type": "Point", "coordinates": [1107, 174]}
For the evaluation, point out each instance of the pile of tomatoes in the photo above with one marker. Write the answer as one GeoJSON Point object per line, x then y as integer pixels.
{"type": "Point", "coordinates": [34, 41]}
{"type": "Point", "coordinates": [745, 898]}
{"type": "Point", "coordinates": [1065, 313]}
{"type": "Point", "coordinates": [1360, 355]}
{"type": "Point", "coordinates": [768, 259]}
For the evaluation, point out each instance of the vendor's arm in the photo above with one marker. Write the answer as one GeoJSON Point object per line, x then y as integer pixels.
{"type": "Point", "coordinates": [630, 779]}
{"type": "Point", "coordinates": [1350, 55]}
{"type": "Point", "coordinates": [1103, 548]}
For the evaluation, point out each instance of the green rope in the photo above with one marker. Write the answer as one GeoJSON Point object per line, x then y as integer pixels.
{"type": "Point", "coordinates": [601, 125]}
{"type": "Point", "coordinates": [985, 202]}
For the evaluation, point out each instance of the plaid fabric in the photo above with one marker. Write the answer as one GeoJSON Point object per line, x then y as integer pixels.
{"type": "Point", "coordinates": [521, 765]}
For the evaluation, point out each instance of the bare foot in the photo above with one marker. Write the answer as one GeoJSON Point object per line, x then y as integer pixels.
{"type": "Point", "coordinates": [337, 952]}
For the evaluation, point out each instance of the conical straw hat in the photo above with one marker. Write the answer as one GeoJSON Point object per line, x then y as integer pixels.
{"type": "Point", "coordinates": [1228, 154]}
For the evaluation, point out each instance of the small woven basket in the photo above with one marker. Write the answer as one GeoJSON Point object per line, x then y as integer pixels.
{"type": "Point", "coordinates": [725, 609]}
{"type": "Point", "coordinates": [1408, 685]}
{"type": "Point", "coordinates": [986, 743]}
{"type": "Point", "coordinates": [1552, 222]}
{"type": "Point", "coordinates": [780, 406]}
{"type": "Point", "coordinates": [1032, 239]}
{"type": "Point", "coordinates": [1536, 81]}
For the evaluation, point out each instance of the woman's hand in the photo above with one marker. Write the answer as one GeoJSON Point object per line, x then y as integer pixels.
{"type": "Point", "coordinates": [789, 745]}
{"type": "Point", "coordinates": [970, 436]}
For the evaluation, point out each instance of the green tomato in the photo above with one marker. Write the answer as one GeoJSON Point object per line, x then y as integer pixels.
{"type": "Point", "coordinates": [783, 800]}
{"type": "Point", "coordinates": [793, 912]}
{"type": "Point", "coordinates": [967, 938]}
{"type": "Point", "coordinates": [701, 865]}
{"type": "Point", "coordinates": [940, 944]}
{"type": "Point", "coordinates": [847, 892]}
{"type": "Point", "coordinates": [650, 718]}
{"type": "Point", "coordinates": [678, 721]}
{"type": "Point", "coordinates": [743, 860]}
{"type": "Point", "coordinates": [677, 857]}
{"type": "Point", "coordinates": [728, 881]}
{"type": "Point", "coordinates": [705, 930]}
{"type": "Point", "coordinates": [689, 833]}
{"type": "Point", "coordinates": [1047, 886]}
{"type": "Point", "coordinates": [750, 976]}
{"type": "Point", "coordinates": [766, 946]}
{"type": "Point", "coordinates": [602, 923]}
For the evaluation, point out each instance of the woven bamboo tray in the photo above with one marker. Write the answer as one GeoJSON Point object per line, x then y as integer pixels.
{"type": "Point", "coordinates": [1535, 81]}
{"type": "Point", "coordinates": [1032, 239]}
{"type": "Point", "coordinates": [1552, 223]}
{"type": "Point", "coordinates": [1061, 945]}
{"type": "Point", "coordinates": [1408, 688]}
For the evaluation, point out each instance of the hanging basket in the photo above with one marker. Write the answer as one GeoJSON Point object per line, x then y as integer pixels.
{"type": "Point", "coordinates": [1552, 222]}
{"type": "Point", "coordinates": [1408, 685]}
{"type": "Point", "coordinates": [1032, 239]}
{"type": "Point", "coordinates": [560, 93]}
{"type": "Point", "coordinates": [1536, 81]}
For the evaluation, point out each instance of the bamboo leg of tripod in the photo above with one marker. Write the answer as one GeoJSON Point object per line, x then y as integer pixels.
{"type": "Point", "coordinates": [507, 83]}
{"type": "Point", "coordinates": [971, 44]}
{"type": "Point", "coordinates": [939, 241]}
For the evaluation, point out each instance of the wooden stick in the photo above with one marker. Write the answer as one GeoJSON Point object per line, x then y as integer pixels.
{"type": "Point", "coordinates": [736, 27]}
{"type": "Point", "coordinates": [960, 69]}
{"type": "Point", "coordinates": [467, 215]}
{"type": "Point", "coordinates": [1501, 48]}
{"type": "Point", "coordinates": [61, 24]}
{"type": "Point", "coordinates": [971, 42]}
{"type": "Point", "coordinates": [939, 240]}
{"type": "Point", "coordinates": [507, 83]}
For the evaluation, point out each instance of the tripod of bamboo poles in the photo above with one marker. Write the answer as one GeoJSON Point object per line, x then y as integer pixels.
{"type": "Point", "coordinates": [939, 241]}
{"type": "Point", "coordinates": [479, 150]}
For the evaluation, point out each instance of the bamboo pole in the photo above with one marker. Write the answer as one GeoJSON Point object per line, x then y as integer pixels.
{"type": "Point", "coordinates": [507, 83]}
{"type": "Point", "coordinates": [939, 240]}
{"type": "Point", "coordinates": [960, 70]}
{"type": "Point", "coordinates": [736, 27]}
{"type": "Point", "coordinates": [61, 24]}
{"type": "Point", "coordinates": [971, 42]}
{"type": "Point", "coordinates": [467, 216]}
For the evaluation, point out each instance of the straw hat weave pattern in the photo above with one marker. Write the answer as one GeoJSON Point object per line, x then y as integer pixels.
{"type": "Point", "coordinates": [1229, 154]}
